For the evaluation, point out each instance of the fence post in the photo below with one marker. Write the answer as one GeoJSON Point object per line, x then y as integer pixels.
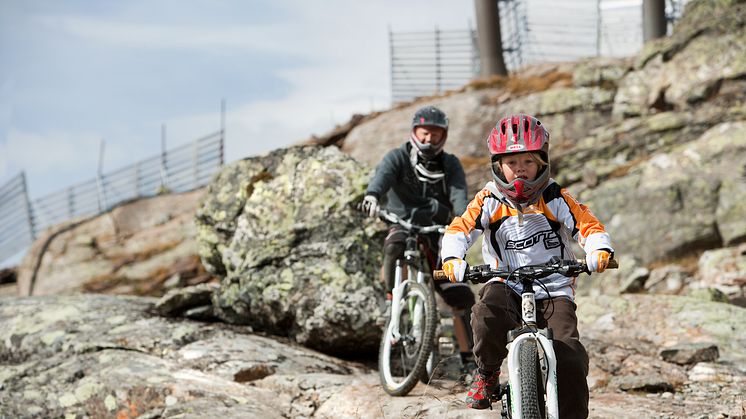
{"type": "Point", "coordinates": [195, 162]}
{"type": "Point", "coordinates": [599, 31]}
{"type": "Point", "coordinates": [164, 168]}
{"type": "Point", "coordinates": [222, 131]}
{"type": "Point", "coordinates": [438, 76]}
{"type": "Point", "coordinates": [654, 23]}
{"type": "Point", "coordinates": [137, 179]}
{"type": "Point", "coordinates": [391, 68]}
{"type": "Point", "coordinates": [99, 179]}
{"type": "Point", "coordinates": [490, 38]}
{"type": "Point", "coordinates": [70, 202]}
{"type": "Point", "coordinates": [27, 208]}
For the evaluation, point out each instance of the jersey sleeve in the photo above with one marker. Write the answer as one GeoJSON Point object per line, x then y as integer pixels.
{"type": "Point", "coordinates": [457, 185]}
{"type": "Point", "coordinates": [585, 227]}
{"type": "Point", "coordinates": [464, 229]}
{"type": "Point", "coordinates": [384, 176]}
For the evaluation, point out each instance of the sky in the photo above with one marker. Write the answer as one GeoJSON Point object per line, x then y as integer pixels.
{"type": "Point", "coordinates": [77, 72]}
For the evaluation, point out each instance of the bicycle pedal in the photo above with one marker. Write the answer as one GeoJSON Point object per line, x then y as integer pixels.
{"type": "Point", "coordinates": [446, 346]}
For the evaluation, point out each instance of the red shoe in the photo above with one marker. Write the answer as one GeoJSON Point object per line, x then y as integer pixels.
{"type": "Point", "coordinates": [483, 386]}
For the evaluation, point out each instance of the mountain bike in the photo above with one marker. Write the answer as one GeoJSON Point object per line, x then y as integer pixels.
{"type": "Point", "coordinates": [407, 350]}
{"type": "Point", "coordinates": [531, 389]}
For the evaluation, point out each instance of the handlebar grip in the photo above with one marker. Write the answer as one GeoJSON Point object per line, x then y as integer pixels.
{"type": "Point", "coordinates": [440, 275]}
{"type": "Point", "coordinates": [613, 264]}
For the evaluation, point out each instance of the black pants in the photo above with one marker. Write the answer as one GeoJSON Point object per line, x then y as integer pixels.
{"type": "Point", "coordinates": [458, 296]}
{"type": "Point", "coordinates": [498, 311]}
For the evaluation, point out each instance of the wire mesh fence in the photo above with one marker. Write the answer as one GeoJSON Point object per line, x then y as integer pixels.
{"type": "Point", "coordinates": [426, 63]}
{"type": "Point", "coordinates": [176, 170]}
{"type": "Point", "coordinates": [16, 228]}
{"type": "Point", "coordinates": [432, 62]}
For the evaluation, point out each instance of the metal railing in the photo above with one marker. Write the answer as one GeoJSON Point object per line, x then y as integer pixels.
{"type": "Point", "coordinates": [428, 63]}
{"type": "Point", "coordinates": [176, 170]}
{"type": "Point", "coordinates": [16, 226]}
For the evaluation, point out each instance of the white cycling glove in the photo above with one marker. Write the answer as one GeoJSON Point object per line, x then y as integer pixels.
{"type": "Point", "coordinates": [455, 269]}
{"type": "Point", "coordinates": [370, 206]}
{"type": "Point", "coordinates": [597, 260]}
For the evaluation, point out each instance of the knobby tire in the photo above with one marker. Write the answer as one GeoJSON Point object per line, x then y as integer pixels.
{"type": "Point", "coordinates": [389, 355]}
{"type": "Point", "coordinates": [532, 385]}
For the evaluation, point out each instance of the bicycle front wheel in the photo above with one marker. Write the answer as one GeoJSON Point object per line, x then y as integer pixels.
{"type": "Point", "coordinates": [402, 357]}
{"type": "Point", "coordinates": [532, 385]}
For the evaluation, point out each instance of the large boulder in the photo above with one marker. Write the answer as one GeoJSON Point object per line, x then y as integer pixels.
{"type": "Point", "coordinates": [673, 204]}
{"type": "Point", "coordinates": [295, 255]}
{"type": "Point", "coordinates": [705, 56]}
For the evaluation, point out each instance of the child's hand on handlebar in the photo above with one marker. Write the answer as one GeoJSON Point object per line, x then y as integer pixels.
{"type": "Point", "coordinates": [455, 269]}
{"type": "Point", "coordinates": [597, 260]}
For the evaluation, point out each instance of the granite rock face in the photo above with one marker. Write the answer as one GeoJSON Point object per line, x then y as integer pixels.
{"type": "Point", "coordinates": [111, 356]}
{"type": "Point", "coordinates": [143, 247]}
{"type": "Point", "coordinates": [297, 258]}
{"type": "Point", "coordinates": [654, 143]}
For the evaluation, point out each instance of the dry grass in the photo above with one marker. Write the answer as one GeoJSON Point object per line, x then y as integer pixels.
{"type": "Point", "coordinates": [624, 169]}
{"type": "Point", "coordinates": [689, 262]}
{"type": "Point", "coordinates": [189, 268]}
{"type": "Point", "coordinates": [520, 86]}
{"type": "Point", "coordinates": [470, 162]}
{"type": "Point", "coordinates": [514, 85]}
{"type": "Point", "coordinates": [145, 254]}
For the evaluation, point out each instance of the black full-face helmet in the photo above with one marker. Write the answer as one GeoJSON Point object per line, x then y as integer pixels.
{"type": "Point", "coordinates": [429, 116]}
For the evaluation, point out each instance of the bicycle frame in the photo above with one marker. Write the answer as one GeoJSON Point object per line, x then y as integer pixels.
{"type": "Point", "coordinates": [548, 361]}
{"type": "Point", "coordinates": [399, 286]}
{"type": "Point", "coordinates": [413, 299]}
{"type": "Point", "coordinates": [528, 332]}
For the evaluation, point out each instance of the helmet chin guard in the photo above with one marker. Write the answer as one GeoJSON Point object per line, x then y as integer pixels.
{"type": "Point", "coordinates": [513, 135]}
{"type": "Point", "coordinates": [521, 191]}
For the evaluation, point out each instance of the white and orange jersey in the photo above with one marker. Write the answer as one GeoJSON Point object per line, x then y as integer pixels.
{"type": "Point", "coordinates": [542, 231]}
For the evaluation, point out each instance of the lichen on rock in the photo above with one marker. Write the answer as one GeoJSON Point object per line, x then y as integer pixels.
{"type": "Point", "coordinates": [293, 250]}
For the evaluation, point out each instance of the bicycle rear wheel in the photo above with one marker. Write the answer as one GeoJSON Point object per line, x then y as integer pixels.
{"type": "Point", "coordinates": [533, 404]}
{"type": "Point", "coordinates": [402, 361]}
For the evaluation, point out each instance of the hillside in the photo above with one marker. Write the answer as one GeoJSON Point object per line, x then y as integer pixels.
{"type": "Point", "coordinates": [267, 299]}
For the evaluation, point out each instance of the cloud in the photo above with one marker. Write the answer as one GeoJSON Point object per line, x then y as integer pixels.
{"type": "Point", "coordinates": [170, 37]}
{"type": "Point", "coordinates": [332, 61]}
{"type": "Point", "coordinates": [50, 157]}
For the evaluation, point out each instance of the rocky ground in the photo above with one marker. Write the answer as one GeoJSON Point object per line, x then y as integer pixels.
{"type": "Point", "coordinates": [629, 137]}
{"type": "Point", "coordinates": [104, 356]}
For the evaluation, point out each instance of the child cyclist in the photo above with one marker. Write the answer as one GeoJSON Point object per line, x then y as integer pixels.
{"type": "Point", "coordinates": [425, 185]}
{"type": "Point", "coordinates": [526, 219]}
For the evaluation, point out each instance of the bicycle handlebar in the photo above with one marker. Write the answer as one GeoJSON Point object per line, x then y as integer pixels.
{"type": "Point", "coordinates": [393, 218]}
{"type": "Point", "coordinates": [483, 273]}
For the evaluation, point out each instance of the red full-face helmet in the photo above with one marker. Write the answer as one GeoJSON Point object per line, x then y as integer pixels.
{"type": "Point", "coordinates": [519, 134]}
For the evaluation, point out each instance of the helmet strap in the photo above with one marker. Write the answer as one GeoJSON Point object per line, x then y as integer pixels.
{"type": "Point", "coordinates": [519, 209]}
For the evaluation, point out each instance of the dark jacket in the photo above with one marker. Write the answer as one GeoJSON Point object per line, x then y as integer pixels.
{"type": "Point", "coordinates": [420, 202]}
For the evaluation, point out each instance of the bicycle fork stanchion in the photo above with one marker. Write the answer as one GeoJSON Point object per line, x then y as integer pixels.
{"type": "Point", "coordinates": [543, 345]}
{"type": "Point", "coordinates": [514, 373]}
{"type": "Point", "coordinates": [397, 293]}
{"type": "Point", "coordinates": [418, 310]}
